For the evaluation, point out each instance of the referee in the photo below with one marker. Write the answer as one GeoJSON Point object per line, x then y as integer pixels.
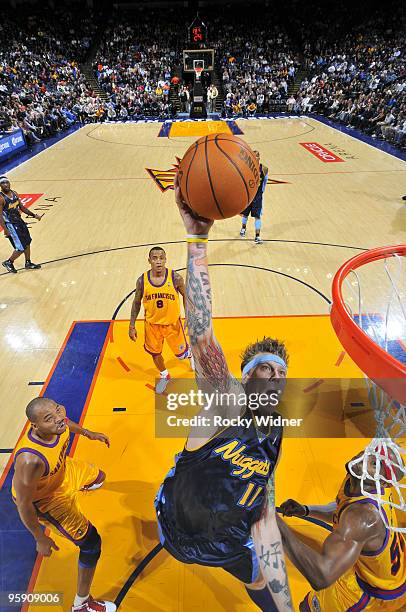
{"type": "Point", "coordinates": [15, 229]}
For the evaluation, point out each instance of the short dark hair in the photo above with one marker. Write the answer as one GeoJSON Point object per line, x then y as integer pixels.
{"type": "Point", "coordinates": [266, 345]}
{"type": "Point", "coordinates": [157, 248]}
{"type": "Point", "coordinates": [33, 406]}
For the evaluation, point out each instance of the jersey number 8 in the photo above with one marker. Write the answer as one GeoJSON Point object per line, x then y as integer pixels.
{"type": "Point", "coordinates": [159, 304]}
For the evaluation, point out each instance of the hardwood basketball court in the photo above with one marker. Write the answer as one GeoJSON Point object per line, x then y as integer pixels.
{"type": "Point", "coordinates": [107, 198]}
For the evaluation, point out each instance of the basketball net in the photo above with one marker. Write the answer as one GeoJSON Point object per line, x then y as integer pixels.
{"type": "Point", "coordinates": [198, 73]}
{"type": "Point", "coordinates": [375, 289]}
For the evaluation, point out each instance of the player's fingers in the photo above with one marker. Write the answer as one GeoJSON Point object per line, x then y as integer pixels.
{"type": "Point", "coordinates": [178, 194]}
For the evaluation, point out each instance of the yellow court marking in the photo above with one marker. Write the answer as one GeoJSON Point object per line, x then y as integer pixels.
{"type": "Point", "coordinates": [198, 128]}
{"type": "Point", "coordinates": [310, 470]}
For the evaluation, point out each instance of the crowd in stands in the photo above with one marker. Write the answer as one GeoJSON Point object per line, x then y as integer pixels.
{"type": "Point", "coordinates": [355, 76]}
{"type": "Point", "coordinates": [134, 66]}
{"type": "Point", "coordinates": [258, 64]}
{"type": "Point", "coordinates": [360, 83]}
{"type": "Point", "coordinates": [42, 90]}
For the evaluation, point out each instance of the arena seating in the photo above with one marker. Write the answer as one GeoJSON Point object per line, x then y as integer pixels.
{"type": "Point", "coordinates": [357, 78]}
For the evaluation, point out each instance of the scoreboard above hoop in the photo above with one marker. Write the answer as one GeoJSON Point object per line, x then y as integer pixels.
{"type": "Point", "coordinates": [197, 33]}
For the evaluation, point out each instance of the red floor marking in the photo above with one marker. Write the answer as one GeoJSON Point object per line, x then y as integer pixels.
{"type": "Point", "coordinates": [340, 358]}
{"type": "Point", "coordinates": [313, 386]}
{"type": "Point", "coordinates": [124, 365]}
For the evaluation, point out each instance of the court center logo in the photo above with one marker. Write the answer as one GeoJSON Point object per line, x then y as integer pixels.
{"type": "Point", "coordinates": [164, 178]}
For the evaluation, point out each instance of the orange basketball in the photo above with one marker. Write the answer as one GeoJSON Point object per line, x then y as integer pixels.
{"type": "Point", "coordinates": [219, 176]}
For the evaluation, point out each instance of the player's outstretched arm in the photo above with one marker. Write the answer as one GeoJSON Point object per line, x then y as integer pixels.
{"type": "Point", "coordinates": [87, 433]}
{"type": "Point", "coordinates": [291, 507]}
{"type": "Point", "coordinates": [210, 362]}
{"type": "Point", "coordinates": [341, 549]}
{"type": "Point", "coordinates": [26, 211]}
{"type": "Point", "coordinates": [270, 554]}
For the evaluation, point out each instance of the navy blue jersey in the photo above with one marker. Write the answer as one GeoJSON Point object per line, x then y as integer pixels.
{"type": "Point", "coordinates": [216, 493]}
{"type": "Point", "coordinates": [260, 190]}
{"type": "Point", "coordinates": [11, 211]}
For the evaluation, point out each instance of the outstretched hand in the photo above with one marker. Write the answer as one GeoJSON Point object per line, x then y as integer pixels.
{"type": "Point", "coordinates": [193, 223]}
{"type": "Point", "coordinates": [291, 507]}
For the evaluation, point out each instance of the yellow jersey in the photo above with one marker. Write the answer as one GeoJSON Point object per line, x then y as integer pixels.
{"type": "Point", "coordinates": [381, 573]}
{"type": "Point", "coordinates": [161, 302]}
{"type": "Point", "coordinates": [54, 457]}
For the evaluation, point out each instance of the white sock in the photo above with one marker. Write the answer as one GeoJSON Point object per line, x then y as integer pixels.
{"type": "Point", "coordinates": [80, 600]}
{"type": "Point", "coordinates": [164, 374]}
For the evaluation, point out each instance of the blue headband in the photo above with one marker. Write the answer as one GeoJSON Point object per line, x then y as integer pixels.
{"type": "Point", "coordinates": [263, 359]}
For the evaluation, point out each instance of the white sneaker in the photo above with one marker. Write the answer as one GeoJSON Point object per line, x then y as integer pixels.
{"type": "Point", "coordinates": [258, 240]}
{"type": "Point", "coordinates": [243, 232]}
{"type": "Point", "coordinates": [94, 487]}
{"type": "Point", "coordinates": [162, 384]}
{"type": "Point", "coordinates": [93, 605]}
{"type": "Point", "coordinates": [97, 484]}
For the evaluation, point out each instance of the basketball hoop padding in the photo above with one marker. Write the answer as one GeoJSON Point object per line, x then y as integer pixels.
{"type": "Point", "coordinates": [383, 369]}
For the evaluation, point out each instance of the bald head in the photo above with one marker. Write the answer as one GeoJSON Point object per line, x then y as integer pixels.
{"type": "Point", "coordinates": [36, 406]}
{"type": "Point", "coordinates": [391, 465]}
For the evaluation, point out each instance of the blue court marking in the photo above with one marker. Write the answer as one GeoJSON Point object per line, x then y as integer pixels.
{"type": "Point", "coordinates": [165, 130]}
{"type": "Point", "coordinates": [234, 127]}
{"type": "Point", "coordinates": [395, 348]}
{"type": "Point", "coordinates": [69, 385]}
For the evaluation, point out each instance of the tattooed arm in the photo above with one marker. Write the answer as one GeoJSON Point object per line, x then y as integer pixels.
{"type": "Point", "coordinates": [269, 549]}
{"type": "Point", "coordinates": [212, 373]}
{"type": "Point", "coordinates": [210, 362]}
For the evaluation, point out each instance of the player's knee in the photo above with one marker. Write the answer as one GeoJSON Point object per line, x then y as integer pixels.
{"type": "Point", "coordinates": [90, 549]}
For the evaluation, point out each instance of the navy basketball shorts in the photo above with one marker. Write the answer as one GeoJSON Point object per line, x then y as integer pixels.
{"type": "Point", "coordinates": [236, 557]}
{"type": "Point", "coordinates": [255, 209]}
{"type": "Point", "coordinates": [19, 235]}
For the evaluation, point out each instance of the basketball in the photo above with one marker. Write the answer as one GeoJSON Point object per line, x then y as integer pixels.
{"type": "Point", "coordinates": [219, 176]}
